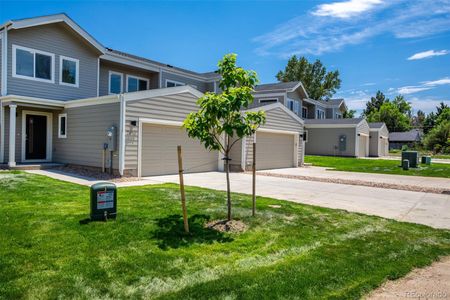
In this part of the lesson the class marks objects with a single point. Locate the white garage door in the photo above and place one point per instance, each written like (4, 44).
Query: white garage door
(274, 150)
(362, 146)
(159, 151)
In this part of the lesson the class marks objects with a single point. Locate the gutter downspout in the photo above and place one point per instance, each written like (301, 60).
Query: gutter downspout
(122, 135)
(4, 69)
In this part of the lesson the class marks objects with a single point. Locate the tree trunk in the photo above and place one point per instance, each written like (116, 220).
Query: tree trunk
(227, 170)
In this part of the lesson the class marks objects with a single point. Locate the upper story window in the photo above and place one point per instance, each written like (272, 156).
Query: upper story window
(290, 104)
(304, 112)
(268, 101)
(115, 82)
(33, 64)
(135, 84)
(69, 69)
(320, 114)
(338, 116)
(173, 83)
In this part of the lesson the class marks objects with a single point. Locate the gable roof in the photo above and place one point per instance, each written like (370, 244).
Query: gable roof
(408, 136)
(275, 106)
(51, 19)
(281, 86)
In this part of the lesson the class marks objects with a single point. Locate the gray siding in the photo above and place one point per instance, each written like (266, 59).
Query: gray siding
(106, 67)
(325, 141)
(1, 41)
(198, 84)
(171, 108)
(57, 39)
(86, 134)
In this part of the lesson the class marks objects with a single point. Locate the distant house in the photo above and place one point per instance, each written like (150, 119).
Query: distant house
(409, 138)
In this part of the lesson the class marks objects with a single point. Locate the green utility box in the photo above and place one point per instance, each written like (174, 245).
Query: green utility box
(103, 201)
(412, 156)
(405, 164)
(426, 160)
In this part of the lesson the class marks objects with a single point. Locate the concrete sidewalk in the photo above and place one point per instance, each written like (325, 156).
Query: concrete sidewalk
(423, 208)
(326, 173)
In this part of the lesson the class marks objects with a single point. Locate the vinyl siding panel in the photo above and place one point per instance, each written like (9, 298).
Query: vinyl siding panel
(171, 108)
(1, 48)
(60, 40)
(86, 134)
(106, 67)
(257, 98)
(325, 141)
(198, 84)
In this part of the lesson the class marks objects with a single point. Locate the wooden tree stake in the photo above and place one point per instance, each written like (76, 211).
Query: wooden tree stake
(254, 180)
(183, 195)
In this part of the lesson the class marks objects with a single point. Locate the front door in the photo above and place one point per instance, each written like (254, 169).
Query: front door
(36, 137)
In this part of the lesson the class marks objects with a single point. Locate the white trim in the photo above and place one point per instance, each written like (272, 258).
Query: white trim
(220, 161)
(62, 136)
(138, 78)
(109, 82)
(363, 134)
(77, 70)
(275, 106)
(34, 52)
(139, 154)
(114, 98)
(256, 94)
(12, 135)
(30, 22)
(277, 131)
(296, 143)
(331, 125)
(122, 138)
(176, 83)
(160, 122)
(320, 111)
(2, 132)
(61, 104)
(268, 99)
(48, 156)
(98, 77)
(244, 152)
(162, 92)
(4, 70)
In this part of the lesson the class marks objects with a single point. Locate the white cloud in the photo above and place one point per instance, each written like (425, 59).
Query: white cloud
(331, 27)
(425, 104)
(442, 81)
(346, 9)
(428, 54)
(406, 90)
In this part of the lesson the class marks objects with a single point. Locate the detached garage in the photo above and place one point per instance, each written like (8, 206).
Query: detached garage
(278, 142)
(337, 137)
(379, 139)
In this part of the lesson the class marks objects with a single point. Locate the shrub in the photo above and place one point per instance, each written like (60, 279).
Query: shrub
(438, 138)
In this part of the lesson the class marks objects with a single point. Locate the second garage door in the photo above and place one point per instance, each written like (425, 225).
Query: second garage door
(274, 150)
(159, 151)
(362, 146)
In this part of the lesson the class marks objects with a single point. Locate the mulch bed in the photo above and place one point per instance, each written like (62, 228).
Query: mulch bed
(234, 226)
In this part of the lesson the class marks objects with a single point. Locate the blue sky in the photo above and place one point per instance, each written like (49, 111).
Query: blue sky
(396, 46)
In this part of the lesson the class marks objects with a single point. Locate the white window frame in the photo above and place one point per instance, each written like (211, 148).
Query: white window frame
(319, 113)
(109, 82)
(138, 78)
(296, 107)
(34, 52)
(268, 100)
(177, 83)
(77, 75)
(306, 112)
(288, 104)
(62, 136)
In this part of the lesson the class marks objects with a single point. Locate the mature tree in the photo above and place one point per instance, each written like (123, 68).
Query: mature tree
(403, 106)
(390, 114)
(419, 119)
(438, 138)
(434, 119)
(219, 123)
(348, 114)
(442, 106)
(375, 103)
(317, 81)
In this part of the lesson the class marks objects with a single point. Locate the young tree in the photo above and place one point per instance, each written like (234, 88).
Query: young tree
(219, 123)
(317, 81)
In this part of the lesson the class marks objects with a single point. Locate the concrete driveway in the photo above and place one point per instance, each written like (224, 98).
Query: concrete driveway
(417, 207)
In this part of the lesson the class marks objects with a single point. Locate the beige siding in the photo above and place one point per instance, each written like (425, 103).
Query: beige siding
(325, 141)
(363, 146)
(86, 134)
(236, 155)
(374, 144)
(171, 108)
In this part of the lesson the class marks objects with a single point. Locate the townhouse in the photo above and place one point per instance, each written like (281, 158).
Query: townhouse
(66, 98)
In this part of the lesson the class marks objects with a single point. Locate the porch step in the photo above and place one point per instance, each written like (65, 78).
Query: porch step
(41, 166)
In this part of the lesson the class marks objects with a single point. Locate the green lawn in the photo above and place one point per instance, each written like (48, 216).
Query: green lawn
(428, 153)
(383, 166)
(296, 251)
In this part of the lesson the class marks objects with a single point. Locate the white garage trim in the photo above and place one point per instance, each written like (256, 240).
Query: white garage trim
(363, 134)
(243, 152)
